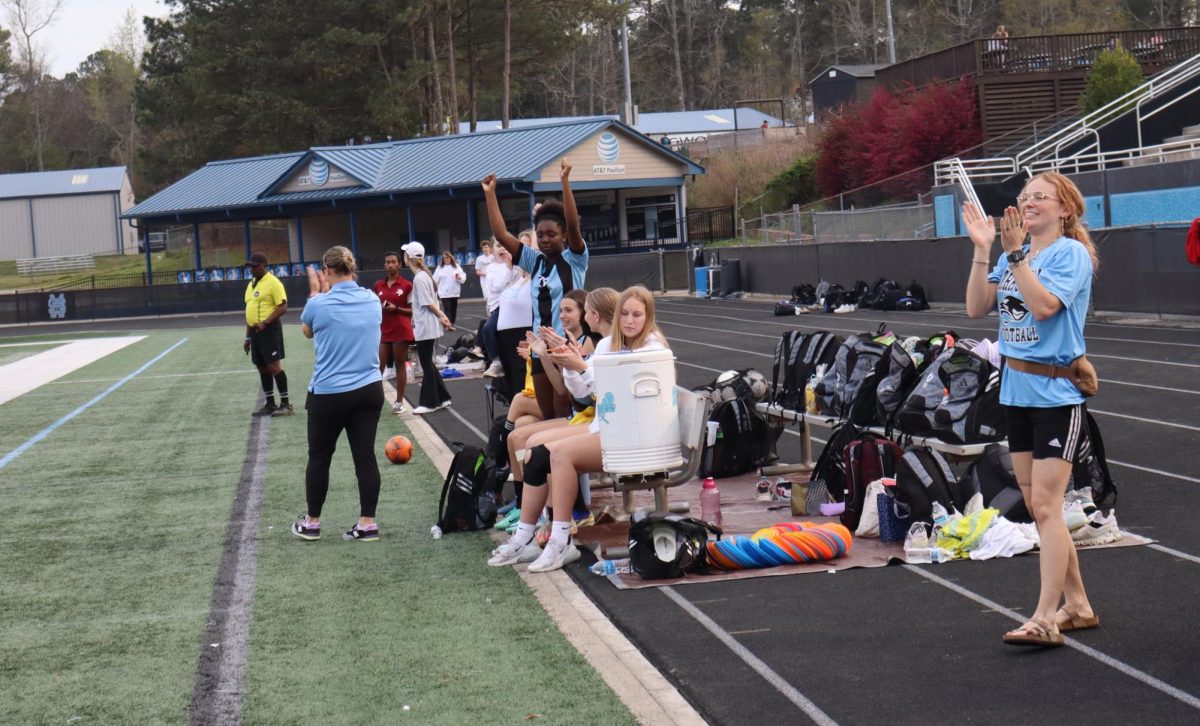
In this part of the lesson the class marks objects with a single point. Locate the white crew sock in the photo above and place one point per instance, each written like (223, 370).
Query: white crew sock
(523, 535)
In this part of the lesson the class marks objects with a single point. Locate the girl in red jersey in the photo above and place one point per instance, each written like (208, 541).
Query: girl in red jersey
(396, 332)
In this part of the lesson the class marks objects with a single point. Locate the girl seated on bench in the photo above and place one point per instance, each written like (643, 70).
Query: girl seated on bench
(599, 308)
(559, 462)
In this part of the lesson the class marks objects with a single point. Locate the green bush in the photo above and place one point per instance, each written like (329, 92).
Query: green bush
(798, 183)
(1114, 73)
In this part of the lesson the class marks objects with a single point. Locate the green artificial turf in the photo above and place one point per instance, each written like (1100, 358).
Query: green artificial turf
(114, 533)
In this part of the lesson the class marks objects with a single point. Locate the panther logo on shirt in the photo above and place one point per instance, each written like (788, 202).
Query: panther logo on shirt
(543, 281)
(1012, 309)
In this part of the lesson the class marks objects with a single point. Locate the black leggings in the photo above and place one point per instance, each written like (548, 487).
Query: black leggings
(433, 391)
(357, 413)
(450, 307)
(514, 365)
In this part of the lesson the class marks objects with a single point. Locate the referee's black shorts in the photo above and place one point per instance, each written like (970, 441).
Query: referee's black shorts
(267, 346)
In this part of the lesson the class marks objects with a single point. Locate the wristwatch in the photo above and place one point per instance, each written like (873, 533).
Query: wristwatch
(1016, 257)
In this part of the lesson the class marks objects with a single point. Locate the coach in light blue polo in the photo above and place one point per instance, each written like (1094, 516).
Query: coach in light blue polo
(345, 322)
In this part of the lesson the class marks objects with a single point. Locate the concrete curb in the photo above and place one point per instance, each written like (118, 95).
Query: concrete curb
(648, 695)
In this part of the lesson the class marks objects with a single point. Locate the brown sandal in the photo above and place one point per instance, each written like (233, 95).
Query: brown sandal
(1068, 621)
(1035, 633)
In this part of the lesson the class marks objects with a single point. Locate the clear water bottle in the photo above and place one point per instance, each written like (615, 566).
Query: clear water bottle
(710, 502)
(940, 516)
(612, 567)
(926, 555)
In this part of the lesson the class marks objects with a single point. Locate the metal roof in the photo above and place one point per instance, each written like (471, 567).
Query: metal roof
(396, 167)
(55, 183)
(666, 122)
(858, 71)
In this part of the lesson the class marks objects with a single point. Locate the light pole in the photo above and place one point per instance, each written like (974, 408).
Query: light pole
(891, 35)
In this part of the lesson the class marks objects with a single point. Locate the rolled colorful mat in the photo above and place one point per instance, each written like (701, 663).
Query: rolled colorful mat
(783, 543)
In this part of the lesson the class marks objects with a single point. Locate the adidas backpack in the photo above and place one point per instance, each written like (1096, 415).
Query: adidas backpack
(868, 458)
(923, 477)
(797, 358)
(956, 399)
(742, 440)
(852, 373)
(831, 464)
(468, 499)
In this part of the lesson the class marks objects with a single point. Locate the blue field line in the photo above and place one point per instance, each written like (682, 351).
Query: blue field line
(12, 455)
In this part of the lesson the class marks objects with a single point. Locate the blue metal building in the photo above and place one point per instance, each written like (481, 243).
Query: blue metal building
(629, 189)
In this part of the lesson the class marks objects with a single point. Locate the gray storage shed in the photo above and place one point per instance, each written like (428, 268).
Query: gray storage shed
(71, 212)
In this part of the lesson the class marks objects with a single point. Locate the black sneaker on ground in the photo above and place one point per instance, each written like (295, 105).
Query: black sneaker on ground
(301, 529)
(362, 535)
(267, 409)
(284, 410)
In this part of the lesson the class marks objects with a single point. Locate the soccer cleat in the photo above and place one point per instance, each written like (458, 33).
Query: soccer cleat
(370, 534)
(513, 516)
(267, 409)
(555, 557)
(1098, 530)
(284, 410)
(762, 490)
(512, 554)
(301, 529)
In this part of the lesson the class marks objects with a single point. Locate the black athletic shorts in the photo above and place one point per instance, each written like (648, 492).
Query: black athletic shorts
(1050, 433)
(267, 346)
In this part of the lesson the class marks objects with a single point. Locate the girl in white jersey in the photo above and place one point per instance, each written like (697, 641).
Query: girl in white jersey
(1041, 288)
(560, 462)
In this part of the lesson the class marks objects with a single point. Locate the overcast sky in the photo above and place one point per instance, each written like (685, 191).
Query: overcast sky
(84, 27)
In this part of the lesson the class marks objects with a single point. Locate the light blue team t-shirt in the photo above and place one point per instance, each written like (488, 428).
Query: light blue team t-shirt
(551, 281)
(346, 325)
(1065, 269)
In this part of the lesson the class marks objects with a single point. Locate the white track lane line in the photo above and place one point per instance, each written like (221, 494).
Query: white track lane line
(1174, 553)
(756, 664)
(1108, 660)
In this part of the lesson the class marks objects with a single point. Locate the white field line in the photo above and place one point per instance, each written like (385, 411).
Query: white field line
(160, 375)
(22, 376)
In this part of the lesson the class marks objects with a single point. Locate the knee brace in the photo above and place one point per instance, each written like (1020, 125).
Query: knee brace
(537, 468)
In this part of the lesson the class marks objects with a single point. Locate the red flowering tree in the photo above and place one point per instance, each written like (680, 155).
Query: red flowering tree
(886, 142)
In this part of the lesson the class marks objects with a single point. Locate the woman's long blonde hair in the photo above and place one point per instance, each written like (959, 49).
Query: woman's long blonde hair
(619, 342)
(1072, 201)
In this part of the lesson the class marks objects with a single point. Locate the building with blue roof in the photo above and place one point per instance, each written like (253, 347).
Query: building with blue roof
(374, 197)
(71, 212)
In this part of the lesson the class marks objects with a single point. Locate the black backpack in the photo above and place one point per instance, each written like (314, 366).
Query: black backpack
(836, 295)
(831, 464)
(1091, 468)
(804, 294)
(868, 458)
(742, 440)
(992, 476)
(899, 372)
(851, 375)
(858, 293)
(956, 399)
(881, 288)
(923, 477)
(468, 500)
(917, 293)
(787, 307)
(688, 550)
(797, 357)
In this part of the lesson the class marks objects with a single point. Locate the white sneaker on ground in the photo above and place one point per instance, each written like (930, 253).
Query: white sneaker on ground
(555, 557)
(1099, 530)
(422, 410)
(398, 407)
(389, 374)
(444, 404)
(847, 308)
(511, 554)
(1074, 516)
(495, 370)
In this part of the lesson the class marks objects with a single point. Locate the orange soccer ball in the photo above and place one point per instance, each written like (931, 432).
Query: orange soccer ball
(398, 449)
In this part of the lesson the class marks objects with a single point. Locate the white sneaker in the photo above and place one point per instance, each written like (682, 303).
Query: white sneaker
(444, 404)
(555, 557)
(398, 407)
(1099, 530)
(422, 410)
(495, 370)
(1074, 516)
(510, 554)
(389, 374)
(847, 308)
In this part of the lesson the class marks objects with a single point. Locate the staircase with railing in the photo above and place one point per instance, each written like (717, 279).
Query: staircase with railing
(1076, 146)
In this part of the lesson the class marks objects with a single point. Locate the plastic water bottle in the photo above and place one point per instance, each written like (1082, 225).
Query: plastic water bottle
(612, 567)
(435, 531)
(926, 555)
(710, 502)
(940, 516)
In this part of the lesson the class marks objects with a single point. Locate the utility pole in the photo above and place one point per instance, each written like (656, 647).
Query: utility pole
(627, 116)
(891, 34)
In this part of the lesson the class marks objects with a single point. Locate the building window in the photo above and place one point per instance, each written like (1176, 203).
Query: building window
(651, 218)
